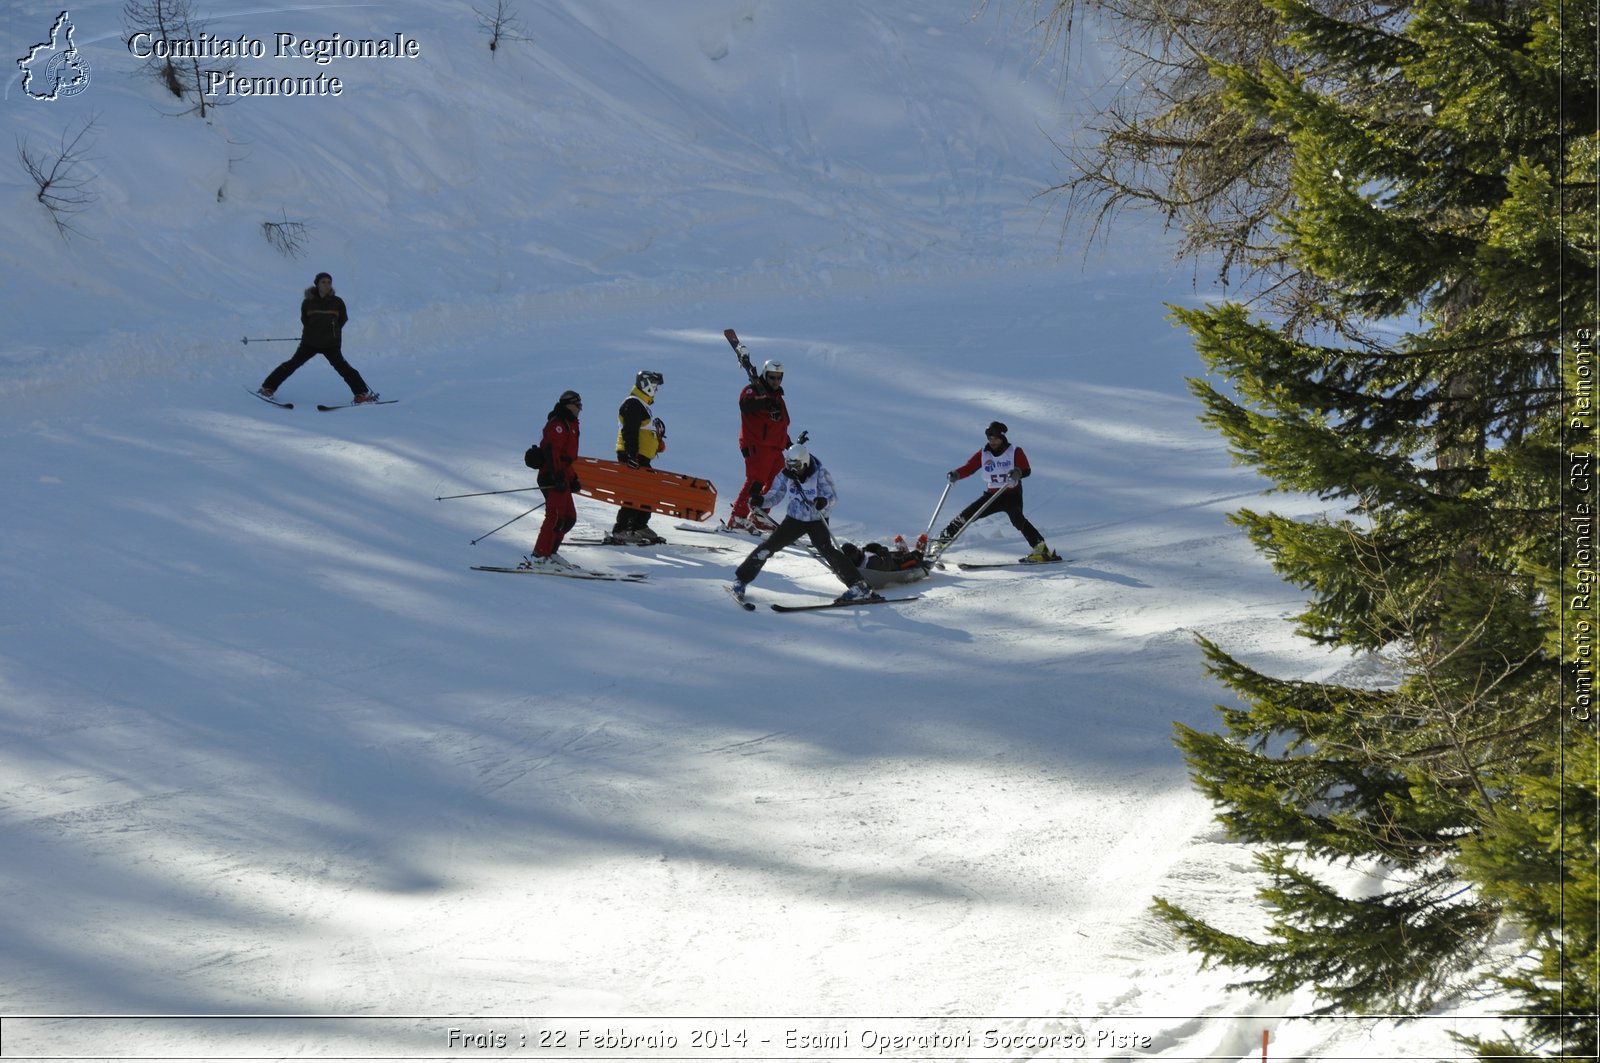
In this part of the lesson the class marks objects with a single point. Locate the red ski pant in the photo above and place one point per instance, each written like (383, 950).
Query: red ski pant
(560, 517)
(761, 467)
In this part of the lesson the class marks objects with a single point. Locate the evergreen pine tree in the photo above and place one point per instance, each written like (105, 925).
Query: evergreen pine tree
(1538, 862)
(1414, 183)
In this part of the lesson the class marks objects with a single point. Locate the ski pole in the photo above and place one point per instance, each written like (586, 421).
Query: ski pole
(480, 494)
(513, 520)
(271, 339)
(934, 519)
(991, 500)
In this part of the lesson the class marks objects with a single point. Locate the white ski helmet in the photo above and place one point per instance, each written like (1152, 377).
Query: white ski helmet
(797, 457)
(770, 366)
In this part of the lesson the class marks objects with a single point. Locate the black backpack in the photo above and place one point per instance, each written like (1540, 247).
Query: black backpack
(533, 457)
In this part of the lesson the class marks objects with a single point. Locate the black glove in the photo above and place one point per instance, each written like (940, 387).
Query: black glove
(572, 485)
(952, 476)
(758, 500)
(820, 504)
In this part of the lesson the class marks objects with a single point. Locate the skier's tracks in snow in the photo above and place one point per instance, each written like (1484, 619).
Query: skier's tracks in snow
(746, 748)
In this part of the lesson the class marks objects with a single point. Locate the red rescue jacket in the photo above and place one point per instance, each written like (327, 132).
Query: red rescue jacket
(763, 418)
(560, 445)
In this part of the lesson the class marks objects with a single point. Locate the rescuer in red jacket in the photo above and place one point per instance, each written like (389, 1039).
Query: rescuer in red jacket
(763, 435)
(558, 481)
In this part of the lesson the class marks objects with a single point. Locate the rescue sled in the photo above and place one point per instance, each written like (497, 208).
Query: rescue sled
(879, 578)
(652, 490)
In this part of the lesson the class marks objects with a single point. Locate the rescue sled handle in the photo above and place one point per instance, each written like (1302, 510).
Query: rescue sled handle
(935, 518)
(939, 551)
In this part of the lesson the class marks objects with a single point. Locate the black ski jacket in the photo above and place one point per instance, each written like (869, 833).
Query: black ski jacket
(322, 320)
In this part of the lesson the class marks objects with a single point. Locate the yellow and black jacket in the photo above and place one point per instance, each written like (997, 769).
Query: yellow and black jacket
(639, 437)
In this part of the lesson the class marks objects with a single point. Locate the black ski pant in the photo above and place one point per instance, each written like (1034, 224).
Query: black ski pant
(629, 519)
(787, 534)
(303, 354)
(1009, 503)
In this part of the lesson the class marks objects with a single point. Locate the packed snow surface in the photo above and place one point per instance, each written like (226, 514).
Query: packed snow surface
(268, 746)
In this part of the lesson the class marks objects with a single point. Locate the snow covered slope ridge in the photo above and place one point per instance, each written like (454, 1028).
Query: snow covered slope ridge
(268, 746)
(657, 146)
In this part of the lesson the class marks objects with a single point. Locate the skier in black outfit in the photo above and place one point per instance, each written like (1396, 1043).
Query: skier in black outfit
(801, 493)
(322, 320)
(1004, 467)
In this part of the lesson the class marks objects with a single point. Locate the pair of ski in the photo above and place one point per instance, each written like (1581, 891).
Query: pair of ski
(280, 404)
(609, 541)
(1021, 562)
(721, 528)
(567, 573)
(778, 607)
(584, 573)
(640, 577)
